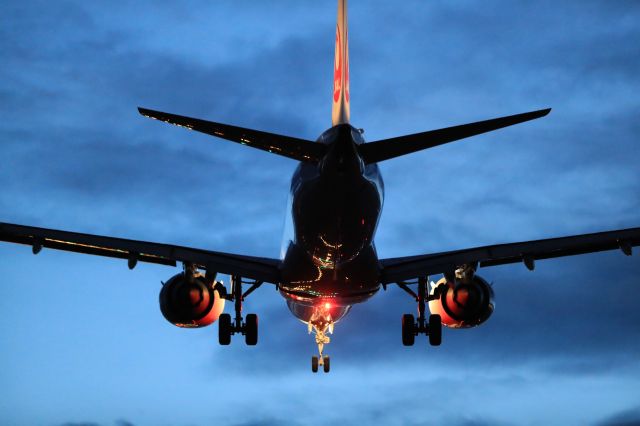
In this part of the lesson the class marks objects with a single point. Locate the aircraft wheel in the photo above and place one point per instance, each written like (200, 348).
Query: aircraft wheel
(325, 364)
(224, 329)
(314, 364)
(435, 330)
(408, 330)
(251, 331)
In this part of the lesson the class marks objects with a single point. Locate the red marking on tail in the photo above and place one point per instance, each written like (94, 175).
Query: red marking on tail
(337, 71)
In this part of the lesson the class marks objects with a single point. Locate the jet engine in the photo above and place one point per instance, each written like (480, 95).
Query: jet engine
(462, 303)
(188, 300)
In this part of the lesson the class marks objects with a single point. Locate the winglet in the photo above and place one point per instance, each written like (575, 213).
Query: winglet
(341, 97)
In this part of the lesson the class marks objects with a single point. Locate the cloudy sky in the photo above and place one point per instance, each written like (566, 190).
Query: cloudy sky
(82, 341)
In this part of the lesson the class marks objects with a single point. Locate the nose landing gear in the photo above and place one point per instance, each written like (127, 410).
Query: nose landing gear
(321, 324)
(323, 361)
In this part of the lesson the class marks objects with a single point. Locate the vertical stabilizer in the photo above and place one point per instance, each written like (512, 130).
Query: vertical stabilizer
(340, 111)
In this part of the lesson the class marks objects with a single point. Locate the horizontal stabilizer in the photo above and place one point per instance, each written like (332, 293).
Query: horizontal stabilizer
(374, 152)
(298, 149)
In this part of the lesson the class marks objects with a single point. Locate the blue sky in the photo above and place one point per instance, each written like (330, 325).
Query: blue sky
(82, 341)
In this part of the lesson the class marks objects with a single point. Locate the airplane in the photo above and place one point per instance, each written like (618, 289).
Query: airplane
(329, 262)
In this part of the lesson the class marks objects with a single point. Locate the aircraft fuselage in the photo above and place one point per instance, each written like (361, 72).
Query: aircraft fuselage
(328, 249)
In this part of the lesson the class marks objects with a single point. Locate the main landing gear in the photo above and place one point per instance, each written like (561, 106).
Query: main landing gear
(431, 327)
(321, 323)
(249, 326)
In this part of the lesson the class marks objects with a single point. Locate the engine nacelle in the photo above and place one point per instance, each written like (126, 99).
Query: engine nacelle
(190, 302)
(463, 304)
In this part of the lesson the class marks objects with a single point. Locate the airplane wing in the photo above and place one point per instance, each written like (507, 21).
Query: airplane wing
(404, 268)
(298, 149)
(257, 268)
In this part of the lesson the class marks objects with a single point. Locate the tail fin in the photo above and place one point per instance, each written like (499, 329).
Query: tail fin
(340, 111)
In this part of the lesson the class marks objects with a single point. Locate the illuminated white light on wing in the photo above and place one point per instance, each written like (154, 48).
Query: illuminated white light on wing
(91, 246)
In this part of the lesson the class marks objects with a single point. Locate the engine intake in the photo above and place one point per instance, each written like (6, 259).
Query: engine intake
(190, 301)
(463, 304)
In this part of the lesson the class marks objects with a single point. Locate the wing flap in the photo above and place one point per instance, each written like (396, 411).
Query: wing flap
(403, 268)
(258, 268)
(385, 149)
(298, 149)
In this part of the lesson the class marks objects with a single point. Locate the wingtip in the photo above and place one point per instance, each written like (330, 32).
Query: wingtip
(146, 112)
(539, 113)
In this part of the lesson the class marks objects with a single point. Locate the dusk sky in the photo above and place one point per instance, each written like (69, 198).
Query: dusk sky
(82, 340)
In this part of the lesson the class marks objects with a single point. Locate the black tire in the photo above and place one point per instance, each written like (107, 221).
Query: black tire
(435, 330)
(251, 330)
(314, 364)
(224, 329)
(326, 363)
(408, 330)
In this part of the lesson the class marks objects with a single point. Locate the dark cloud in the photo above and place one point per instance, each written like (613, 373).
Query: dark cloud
(106, 149)
(629, 417)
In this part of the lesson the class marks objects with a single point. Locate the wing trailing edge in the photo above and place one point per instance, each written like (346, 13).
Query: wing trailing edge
(286, 146)
(386, 149)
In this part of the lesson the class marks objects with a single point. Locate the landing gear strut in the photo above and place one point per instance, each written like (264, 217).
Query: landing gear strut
(431, 327)
(249, 326)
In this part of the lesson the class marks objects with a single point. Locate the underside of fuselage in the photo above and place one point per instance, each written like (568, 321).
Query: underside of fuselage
(329, 253)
